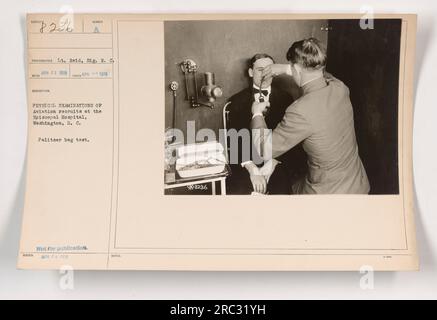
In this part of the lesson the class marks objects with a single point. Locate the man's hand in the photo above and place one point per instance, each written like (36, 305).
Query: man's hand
(259, 107)
(259, 182)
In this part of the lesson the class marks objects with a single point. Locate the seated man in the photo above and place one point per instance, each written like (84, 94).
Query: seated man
(246, 174)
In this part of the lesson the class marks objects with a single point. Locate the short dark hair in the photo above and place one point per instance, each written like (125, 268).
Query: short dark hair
(309, 53)
(258, 56)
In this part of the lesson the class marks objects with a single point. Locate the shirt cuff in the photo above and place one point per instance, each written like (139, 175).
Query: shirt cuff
(288, 71)
(257, 114)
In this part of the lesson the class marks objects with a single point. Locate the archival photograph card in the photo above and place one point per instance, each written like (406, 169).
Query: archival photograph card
(228, 142)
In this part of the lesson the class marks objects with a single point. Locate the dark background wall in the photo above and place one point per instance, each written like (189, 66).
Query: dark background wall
(367, 61)
(223, 47)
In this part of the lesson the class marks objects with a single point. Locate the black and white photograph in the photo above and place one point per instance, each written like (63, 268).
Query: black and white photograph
(282, 107)
(262, 106)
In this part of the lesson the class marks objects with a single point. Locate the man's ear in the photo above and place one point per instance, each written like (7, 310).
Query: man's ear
(250, 72)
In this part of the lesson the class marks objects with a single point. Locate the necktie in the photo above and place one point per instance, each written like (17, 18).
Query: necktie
(262, 98)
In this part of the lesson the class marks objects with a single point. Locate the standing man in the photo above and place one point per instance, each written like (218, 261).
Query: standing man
(322, 118)
(247, 175)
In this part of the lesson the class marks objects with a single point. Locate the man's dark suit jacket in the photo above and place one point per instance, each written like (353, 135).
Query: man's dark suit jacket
(293, 163)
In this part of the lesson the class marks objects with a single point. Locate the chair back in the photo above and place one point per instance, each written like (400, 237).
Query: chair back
(225, 128)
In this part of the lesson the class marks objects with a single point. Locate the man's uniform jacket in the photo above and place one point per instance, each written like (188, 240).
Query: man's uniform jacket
(323, 119)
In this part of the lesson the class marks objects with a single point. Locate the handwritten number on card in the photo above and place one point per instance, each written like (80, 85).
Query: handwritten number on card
(65, 25)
